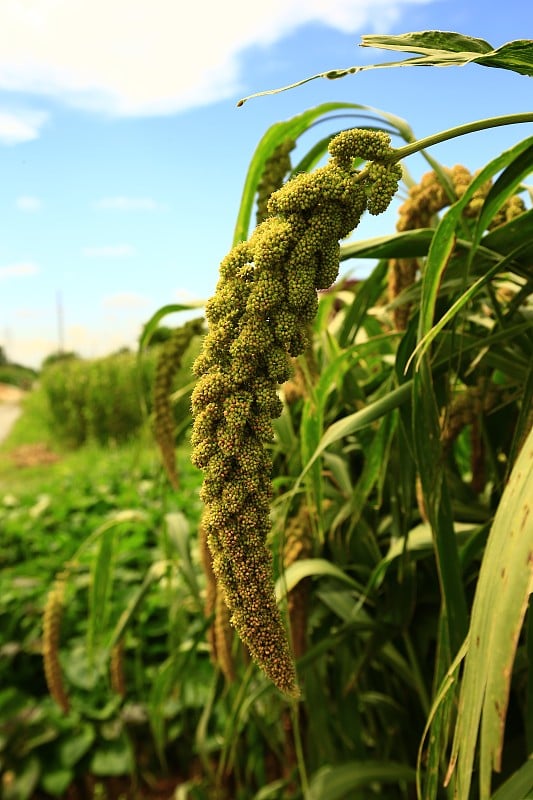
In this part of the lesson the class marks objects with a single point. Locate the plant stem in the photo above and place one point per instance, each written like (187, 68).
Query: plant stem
(300, 758)
(460, 130)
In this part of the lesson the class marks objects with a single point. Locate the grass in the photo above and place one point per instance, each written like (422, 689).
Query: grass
(34, 429)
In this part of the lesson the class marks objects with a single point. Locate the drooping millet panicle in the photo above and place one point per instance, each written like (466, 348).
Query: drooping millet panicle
(276, 169)
(116, 669)
(220, 636)
(258, 318)
(168, 363)
(53, 612)
(298, 545)
(224, 636)
(424, 201)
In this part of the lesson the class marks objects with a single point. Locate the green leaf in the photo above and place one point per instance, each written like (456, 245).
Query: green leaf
(519, 785)
(361, 419)
(56, 780)
(76, 745)
(154, 574)
(179, 534)
(426, 441)
(507, 237)
(407, 244)
(113, 758)
(311, 568)
(443, 48)
(275, 135)
(100, 587)
(365, 298)
(336, 782)
(162, 312)
(466, 297)
(434, 49)
(428, 41)
(444, 238)
(500, 602)
(24, 780)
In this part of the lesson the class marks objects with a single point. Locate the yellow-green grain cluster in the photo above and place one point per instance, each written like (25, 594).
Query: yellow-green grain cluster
(425, 200)
(168, 364)
(53, 612)
(220, 633)
(276, 169)
(258, 319)
(299, 545)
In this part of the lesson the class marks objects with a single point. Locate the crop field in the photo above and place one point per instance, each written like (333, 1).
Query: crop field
(284, 552)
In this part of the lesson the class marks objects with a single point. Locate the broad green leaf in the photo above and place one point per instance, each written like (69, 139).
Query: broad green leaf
(366, 296)
(434, 49)
(443, 241)
(311, 426)
(311, 567)
(519, 785)
(112, 758)
(425, 432)
(100, 587)
(505, 186)
(507, 237)
(24, 780)
(154, 574)
(375, 464)
(71, 749)
(162, 312)
(428, 41)
(179, 532)
(500, 602)
(443, 48)
(466, 297)
(407, 244)
(361, 419)
(529, 688)
(336, 782)
(56, 779)
(419, 543)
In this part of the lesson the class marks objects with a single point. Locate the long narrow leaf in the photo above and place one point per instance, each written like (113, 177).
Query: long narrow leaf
(505, 581)
(336, 782)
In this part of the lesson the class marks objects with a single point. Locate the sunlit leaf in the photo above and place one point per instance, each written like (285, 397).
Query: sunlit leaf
(336, 782)
(500, 602)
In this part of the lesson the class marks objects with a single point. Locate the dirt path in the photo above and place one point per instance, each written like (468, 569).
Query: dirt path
(10, 398)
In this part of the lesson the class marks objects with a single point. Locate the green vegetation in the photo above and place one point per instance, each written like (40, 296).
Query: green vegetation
(398, 484)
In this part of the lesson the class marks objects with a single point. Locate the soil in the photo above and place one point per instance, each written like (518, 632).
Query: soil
(10, 399)
(29, 455)
(33, 455)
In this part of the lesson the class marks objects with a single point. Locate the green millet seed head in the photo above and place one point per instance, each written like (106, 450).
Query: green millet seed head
(275, 170)
(259, 318)
(374, 145)
(168, 363)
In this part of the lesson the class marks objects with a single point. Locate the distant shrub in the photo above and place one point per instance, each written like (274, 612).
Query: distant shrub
(54, 358)
(99, 400)
(17, 375)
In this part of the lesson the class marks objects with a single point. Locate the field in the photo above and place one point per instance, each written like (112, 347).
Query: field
(285, 550)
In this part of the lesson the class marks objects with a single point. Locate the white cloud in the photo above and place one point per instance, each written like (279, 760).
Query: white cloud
(27, 202)
(19, 126)
(137, 57)
(19, 270)
(109, 251)
(125, 300)
(125, 203)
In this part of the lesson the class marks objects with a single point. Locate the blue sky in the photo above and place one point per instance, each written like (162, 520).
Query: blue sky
(122, 151)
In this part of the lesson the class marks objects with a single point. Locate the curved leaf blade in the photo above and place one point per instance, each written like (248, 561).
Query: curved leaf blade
(504, 584)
